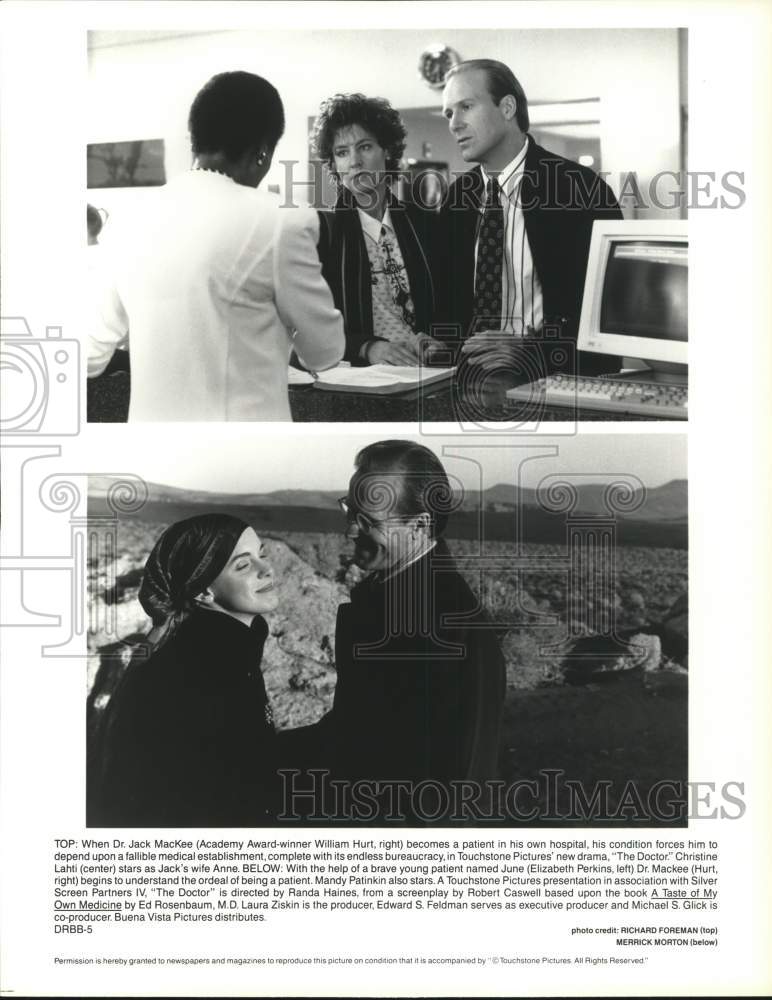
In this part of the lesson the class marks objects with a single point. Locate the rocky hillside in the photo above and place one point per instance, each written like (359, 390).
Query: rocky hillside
(314, 574)
(594, 709)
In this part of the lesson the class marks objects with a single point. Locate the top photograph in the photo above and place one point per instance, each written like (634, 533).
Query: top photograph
(479, 227)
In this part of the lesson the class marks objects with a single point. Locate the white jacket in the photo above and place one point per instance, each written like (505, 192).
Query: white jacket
(209, 289)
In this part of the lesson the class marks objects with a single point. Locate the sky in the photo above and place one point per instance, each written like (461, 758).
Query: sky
(303, 456)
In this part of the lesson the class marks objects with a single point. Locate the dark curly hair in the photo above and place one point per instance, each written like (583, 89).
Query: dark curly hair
(372, 113)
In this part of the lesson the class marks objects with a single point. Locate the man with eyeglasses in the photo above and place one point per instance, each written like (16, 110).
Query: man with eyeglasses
(421, 676)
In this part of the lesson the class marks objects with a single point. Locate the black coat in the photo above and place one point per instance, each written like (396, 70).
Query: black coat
(561, 200)
(188, 738)
(424, 702)
(346, 265)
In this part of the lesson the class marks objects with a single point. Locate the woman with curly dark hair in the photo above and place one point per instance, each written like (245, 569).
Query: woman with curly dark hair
(378, 254)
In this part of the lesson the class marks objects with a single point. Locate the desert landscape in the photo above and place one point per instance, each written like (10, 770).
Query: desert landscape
(598, 705)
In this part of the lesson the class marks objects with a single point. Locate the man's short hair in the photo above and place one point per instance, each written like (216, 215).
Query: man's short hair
(374, 114)
(422, 486)
(501, 81)
(235, 113)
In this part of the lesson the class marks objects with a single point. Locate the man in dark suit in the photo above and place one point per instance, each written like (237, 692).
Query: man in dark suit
(516, 230)
(421, 678)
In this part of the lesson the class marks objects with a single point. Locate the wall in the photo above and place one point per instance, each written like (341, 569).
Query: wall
(144, 89)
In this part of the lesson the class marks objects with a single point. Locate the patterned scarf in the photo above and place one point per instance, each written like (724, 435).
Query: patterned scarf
(185, 560)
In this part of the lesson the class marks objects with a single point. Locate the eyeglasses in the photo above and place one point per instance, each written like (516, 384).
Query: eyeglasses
(366, 523)
(362, 521)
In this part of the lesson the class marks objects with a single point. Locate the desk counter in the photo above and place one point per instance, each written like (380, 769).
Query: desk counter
(108, 402)
(483, 403)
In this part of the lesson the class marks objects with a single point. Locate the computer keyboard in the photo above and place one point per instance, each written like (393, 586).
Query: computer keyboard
(664, 400)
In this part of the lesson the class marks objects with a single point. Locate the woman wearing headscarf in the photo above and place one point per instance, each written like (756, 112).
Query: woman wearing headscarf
(188, 736)
(378, 254)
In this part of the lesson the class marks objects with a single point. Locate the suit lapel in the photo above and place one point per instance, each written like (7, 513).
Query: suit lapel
(354, 270)
(533, 198)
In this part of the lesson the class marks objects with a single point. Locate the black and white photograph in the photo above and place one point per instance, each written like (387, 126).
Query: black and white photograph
(491, 228)
(385, 557)
(393, 634)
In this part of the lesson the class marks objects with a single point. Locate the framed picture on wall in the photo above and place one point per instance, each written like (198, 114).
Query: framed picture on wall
(426, 182)
(139, 163)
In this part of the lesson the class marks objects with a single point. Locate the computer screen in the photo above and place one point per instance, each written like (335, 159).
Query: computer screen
(636, 293)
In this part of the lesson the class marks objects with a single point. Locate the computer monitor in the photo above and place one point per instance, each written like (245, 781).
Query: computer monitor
(636, 295)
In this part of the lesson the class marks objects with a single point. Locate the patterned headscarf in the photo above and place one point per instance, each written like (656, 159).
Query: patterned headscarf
(185, 560)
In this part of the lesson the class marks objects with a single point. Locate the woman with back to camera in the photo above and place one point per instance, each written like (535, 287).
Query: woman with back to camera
(209, 287)
(378, 254)
(188, 737)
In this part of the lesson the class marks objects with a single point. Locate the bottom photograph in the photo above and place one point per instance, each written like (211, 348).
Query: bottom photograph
(413, 631)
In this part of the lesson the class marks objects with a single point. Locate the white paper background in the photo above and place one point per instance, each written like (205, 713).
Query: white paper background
(43, 178)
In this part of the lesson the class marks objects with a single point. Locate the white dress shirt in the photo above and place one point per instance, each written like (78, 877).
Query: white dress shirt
(521, 297)
(209, 289)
